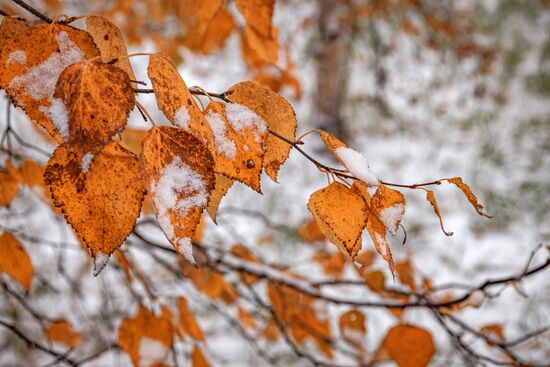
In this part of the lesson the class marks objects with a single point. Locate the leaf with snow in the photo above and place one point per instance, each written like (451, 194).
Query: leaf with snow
(340, 213)
(178, 170)
(98, 98)
(389, 206)
(277, 113)
(14, 260)
(110, 42)
(103, 205)
(48, 49)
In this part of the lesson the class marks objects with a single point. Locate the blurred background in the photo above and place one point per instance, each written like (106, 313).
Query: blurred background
(426, 89)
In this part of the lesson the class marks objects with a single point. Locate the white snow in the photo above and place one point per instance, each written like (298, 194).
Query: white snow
(357, 165)
(181, 118)
(57, 112)
(224, 145)
(243, 118)
(86, 161)
(381, 245)
(179, 189)
(151, 352)
(100, 261)
(391, 217)
(17, 57)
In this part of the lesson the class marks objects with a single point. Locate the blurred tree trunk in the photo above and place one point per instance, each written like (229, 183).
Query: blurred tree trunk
(332, 51)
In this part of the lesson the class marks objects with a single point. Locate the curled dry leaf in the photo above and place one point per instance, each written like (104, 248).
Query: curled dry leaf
(103, 205)
(430, 196)
(258, 14)
(222, 186)
(178, 170)
(110, 42)
(145, 328)
(340, 212)
(62, 331)
(389, 206)
(278, 115)
(32, 63)
(409, 346)
(188, 323)
(15, 261)
(469, 194)
(98, 98)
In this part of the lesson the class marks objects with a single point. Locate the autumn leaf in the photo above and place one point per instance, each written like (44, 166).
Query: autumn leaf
(406, 273)
(430, 196)
(11, 26)
(409, 346)
(332, 264)
(278, 115)
(198, 359)
(377, 233)
(310, 231)
(222, 186)
(32, 175)
(246, 318)
(98, 99)
(259, 50)
(143, 331)
(258, 14)
(188, 323)
(352, 327)
(340, 213)
(14, 261)
(178, 170)
(110, 42)
(31, 64)
(9, 187)
(389, 206)
(469, 195)
(375, 280)
(245, 254)
(103, 205)
(214, 35)
(61, 331)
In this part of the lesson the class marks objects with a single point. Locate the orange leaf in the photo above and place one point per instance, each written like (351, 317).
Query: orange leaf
(409, 346)
(103, 205)
(244, 253)
(110, 42)
(11, 26)
(494, 331)
(145, 331)
(124, 264)
(375, 280)
(8, 187)
(430, 196)
(246, 318)
(310, 232)
(352, 327)
(98, 99)
(406, 273)
(389, 206)
(258, 14)
(469, 194)
(340, 213)
(15, 261)
(198, 359)
(222, 186)
(333, 264)
(276, 112)
(187, 320)
(214, 35)
(61, 331)
(259, 50)
(178, 169)
(132, 139)
(32, 175)
(32, 63)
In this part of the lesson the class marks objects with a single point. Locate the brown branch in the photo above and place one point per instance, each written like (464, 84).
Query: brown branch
(33, 11)
(4, 13)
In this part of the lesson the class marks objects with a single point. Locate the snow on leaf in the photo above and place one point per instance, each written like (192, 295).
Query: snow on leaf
(409, 346)
(389, 206)
(181, 118)
(14, 260)
(100, 262)
(277, 113)
(178, 169)
(340, 213)
(98, 98)
(19, 57)
(110, 42)
(49, 49)
(469, 195)
(103, 205)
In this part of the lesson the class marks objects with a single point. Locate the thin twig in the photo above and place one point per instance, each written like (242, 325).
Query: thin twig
(33, 11)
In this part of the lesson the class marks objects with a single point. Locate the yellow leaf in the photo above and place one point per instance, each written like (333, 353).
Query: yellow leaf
(98, 98)
(178, 169)
(15, 261)
(110, 42)
(278, 115)
(340, 213)
(31, 64)
(103, 205)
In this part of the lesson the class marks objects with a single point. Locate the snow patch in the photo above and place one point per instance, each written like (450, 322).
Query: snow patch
(391, 217)
(151, 352)
(100, 262)
(224, 145)
(57, 112)
(382, 246)
(243, 118)
(86, 161)
(179, 189)
(357, 165)
(182, 118)
(17, 57)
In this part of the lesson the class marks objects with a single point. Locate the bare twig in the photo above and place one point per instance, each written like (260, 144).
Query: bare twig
(33, 11)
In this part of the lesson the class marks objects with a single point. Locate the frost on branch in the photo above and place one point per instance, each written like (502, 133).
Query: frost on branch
(49, 49)
(178, 169)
